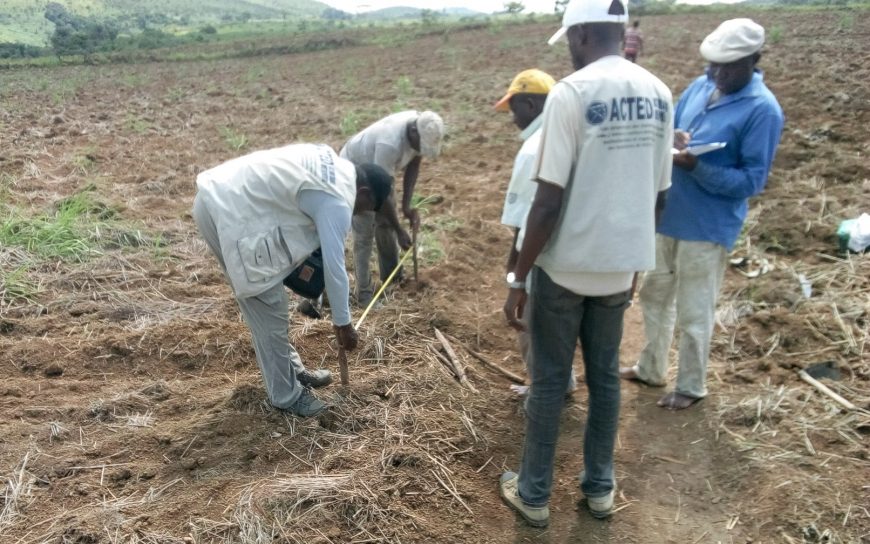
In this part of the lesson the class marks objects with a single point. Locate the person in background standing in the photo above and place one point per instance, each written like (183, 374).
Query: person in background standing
(632, 44)
(525, 99)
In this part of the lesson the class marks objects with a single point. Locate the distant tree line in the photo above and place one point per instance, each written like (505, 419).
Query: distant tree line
(332, 14)
(76, 35)
(21, 51)
(86, 36)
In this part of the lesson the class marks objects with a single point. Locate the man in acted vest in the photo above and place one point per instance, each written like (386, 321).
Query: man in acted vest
(706, 206)
(605, 157)
(262, 215)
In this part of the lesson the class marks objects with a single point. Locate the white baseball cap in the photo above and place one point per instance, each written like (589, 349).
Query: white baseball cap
(591, 11)
(733, 40)
(430, 126)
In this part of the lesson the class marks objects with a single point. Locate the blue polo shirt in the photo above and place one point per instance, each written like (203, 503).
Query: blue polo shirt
(709, 204)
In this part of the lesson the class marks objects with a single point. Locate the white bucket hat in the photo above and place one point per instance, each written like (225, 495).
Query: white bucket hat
(430, 126)
(580, 12)
(733, 40)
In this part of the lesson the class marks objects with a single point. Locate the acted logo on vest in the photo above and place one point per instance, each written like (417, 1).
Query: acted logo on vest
(627, 108)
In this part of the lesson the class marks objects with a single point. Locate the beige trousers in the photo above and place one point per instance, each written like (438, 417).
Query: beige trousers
(681, 293)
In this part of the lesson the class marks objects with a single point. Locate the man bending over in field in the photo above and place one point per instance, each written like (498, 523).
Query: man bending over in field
(262, 215)
(398, 141)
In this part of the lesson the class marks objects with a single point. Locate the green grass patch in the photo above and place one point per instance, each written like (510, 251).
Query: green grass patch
(16, 285)
(350, 124)
(775, 34)
(235, 140)
(847, 20)
(430, 245)
(137, 125)
(67, 234)
(79, 228)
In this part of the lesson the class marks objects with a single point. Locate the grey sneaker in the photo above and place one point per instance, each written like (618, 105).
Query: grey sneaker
(363, 304)
(307, 405)
(536, 516)
(315, 378)
(600, 507)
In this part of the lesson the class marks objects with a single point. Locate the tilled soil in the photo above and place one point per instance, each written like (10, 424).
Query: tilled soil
(132, 408)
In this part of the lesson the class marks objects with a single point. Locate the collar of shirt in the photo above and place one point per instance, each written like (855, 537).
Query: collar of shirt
(532, 128)
(753, 88)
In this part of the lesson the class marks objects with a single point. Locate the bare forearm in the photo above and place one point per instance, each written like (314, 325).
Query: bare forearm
(539, 228)
(388, 211)
(409, 182)
(513, 254)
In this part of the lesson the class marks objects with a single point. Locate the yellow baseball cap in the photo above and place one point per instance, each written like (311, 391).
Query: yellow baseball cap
(532, 81)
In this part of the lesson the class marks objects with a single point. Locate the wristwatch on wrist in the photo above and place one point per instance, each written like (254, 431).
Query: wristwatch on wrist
(513, 283)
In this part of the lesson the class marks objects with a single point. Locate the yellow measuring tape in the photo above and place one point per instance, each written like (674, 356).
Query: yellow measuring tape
(384, 286)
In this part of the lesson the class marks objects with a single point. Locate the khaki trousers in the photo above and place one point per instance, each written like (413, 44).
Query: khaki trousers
(681, 293)
(268, 318)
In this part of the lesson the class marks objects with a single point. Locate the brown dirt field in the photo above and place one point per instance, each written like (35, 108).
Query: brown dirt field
(132, 409)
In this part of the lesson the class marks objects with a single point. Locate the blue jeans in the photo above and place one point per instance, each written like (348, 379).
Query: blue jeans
(558, 318)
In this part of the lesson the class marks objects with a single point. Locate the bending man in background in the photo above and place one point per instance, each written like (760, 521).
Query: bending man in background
(396, 142)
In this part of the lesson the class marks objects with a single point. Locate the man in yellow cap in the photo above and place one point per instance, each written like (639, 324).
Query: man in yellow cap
(525, 99)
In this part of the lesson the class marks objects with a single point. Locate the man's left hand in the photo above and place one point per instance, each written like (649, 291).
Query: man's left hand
(685, 160)
(513, 308)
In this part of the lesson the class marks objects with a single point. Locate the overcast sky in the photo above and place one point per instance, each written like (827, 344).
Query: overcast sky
(486, 6)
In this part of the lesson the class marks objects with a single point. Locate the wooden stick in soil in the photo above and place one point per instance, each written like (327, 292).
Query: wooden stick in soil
(826, 390)
(414, 241)
(342, 367)
(489, 364)
(454, 361)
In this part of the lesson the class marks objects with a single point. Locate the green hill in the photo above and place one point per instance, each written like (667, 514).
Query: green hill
(22, 21)
(415, 13)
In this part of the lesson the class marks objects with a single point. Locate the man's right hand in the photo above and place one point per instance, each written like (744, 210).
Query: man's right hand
(404, 239)
(682, 139)
(347, 337)
(413, 217)
(514, 307)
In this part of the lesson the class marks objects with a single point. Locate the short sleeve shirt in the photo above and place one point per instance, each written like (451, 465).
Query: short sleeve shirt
(384, 143)
(606, 140)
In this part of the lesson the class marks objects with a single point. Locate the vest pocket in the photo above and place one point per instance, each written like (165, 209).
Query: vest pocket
(263, 255)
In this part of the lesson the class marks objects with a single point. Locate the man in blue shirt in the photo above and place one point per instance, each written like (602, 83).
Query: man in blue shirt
(706, 205)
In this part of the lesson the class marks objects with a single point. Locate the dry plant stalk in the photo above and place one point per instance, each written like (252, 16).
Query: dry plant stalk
(15, 494)
(489, 364)
(826, 390)
(455, 365)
